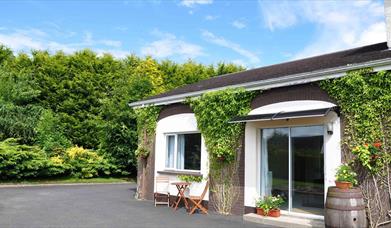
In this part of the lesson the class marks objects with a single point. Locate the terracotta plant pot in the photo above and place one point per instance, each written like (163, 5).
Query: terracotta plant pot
(343, 184)
(260, 211)
(272, 213)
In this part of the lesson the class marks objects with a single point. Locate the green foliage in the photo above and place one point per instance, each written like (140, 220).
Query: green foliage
(346, 173)
(50, 134)
(370, 156)
(22, 161)
(190, 178)
(18, 88)
(269, 203)
(26, 162)
(365, 101)
(146, 126)
(5, 54)
(87, 164)
(19, 122)
(213, 111)
(86, 98)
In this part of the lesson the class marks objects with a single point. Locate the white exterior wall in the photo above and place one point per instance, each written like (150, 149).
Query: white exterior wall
(177, 124)
(332, 148)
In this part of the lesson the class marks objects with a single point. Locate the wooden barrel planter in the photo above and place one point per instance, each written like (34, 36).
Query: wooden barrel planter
(345, 208)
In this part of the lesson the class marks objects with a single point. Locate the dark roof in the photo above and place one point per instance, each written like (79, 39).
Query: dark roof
(332, 60)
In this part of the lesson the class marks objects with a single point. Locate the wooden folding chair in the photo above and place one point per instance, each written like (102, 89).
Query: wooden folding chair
(197, 201)
(159, 193)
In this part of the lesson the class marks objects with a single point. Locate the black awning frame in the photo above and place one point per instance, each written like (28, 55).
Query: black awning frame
(285, 115)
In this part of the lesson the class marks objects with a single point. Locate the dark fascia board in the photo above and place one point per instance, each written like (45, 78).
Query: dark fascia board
(288, 80)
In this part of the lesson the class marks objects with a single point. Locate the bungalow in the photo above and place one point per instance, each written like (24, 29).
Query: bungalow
(292, 134)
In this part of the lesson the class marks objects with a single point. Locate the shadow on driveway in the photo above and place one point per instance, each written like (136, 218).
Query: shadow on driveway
(108, 205)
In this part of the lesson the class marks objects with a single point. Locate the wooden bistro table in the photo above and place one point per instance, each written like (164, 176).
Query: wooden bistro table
(181, 186)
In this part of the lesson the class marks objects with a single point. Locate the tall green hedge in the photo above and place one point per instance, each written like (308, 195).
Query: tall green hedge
(54, 101)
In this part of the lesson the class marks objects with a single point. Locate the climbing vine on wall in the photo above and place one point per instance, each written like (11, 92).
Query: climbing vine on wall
(146, 126)
(213, 112)
(365, 101)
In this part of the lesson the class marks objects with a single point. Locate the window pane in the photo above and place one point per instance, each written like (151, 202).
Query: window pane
(170, 151)
(307, 172)
(190, 149)
(275, 163)
(180, 163)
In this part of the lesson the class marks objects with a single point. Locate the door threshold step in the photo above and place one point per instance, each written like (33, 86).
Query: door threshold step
(284, 221)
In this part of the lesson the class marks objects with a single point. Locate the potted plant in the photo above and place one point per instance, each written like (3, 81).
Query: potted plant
(190, 178)
(269, 206)
(345, 177)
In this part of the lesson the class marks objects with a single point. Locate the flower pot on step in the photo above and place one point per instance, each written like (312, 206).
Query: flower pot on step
(272, 213)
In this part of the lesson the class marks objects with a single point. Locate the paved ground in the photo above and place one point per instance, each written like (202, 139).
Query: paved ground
(110, 205)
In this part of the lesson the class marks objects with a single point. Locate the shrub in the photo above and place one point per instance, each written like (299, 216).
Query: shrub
(87, 163)
(19, 122)
(50, 134)
(23, 161)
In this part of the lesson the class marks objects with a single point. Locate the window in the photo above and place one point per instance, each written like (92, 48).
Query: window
(183, 151)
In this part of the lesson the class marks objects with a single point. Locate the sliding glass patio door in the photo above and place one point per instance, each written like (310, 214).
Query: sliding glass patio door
(292, 166)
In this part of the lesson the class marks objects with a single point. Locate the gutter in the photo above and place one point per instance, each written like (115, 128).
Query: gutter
(289, 80)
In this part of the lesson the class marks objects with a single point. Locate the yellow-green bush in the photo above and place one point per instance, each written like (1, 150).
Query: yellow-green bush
(86, 163)
(23, 162)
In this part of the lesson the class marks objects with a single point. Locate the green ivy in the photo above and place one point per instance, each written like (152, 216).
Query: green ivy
(365, 100)
(213, 112)
(146, 127)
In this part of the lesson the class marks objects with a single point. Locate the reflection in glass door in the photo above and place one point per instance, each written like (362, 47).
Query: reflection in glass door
(275, 163)
(292, 166)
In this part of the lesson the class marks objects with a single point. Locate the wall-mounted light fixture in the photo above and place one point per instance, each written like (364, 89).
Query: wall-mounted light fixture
(330, 128)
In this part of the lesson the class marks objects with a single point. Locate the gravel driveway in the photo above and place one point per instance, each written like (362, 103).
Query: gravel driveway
(104, 205)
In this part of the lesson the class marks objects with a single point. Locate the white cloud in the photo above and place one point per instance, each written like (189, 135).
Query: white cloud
(24, 40)
(221, 41)
(191, 3)
(338, 24)
(19, 41)
(210, 17)
(31, 32)
(169, 45)
(239, 24)
(240, 62)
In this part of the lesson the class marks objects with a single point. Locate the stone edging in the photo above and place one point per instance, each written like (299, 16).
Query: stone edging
(59, 184)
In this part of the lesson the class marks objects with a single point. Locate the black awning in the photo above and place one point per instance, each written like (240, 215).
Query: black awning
(284, 115)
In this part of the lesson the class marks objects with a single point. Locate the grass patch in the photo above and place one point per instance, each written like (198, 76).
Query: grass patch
(70, 180)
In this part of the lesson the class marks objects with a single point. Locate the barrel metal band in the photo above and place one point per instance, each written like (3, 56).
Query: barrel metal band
(346, 208)
(350, 196)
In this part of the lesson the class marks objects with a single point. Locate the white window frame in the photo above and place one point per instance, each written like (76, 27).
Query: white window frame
(176, 151)
(289, 211)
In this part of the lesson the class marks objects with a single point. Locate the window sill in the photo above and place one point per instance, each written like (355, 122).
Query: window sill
(180, 172)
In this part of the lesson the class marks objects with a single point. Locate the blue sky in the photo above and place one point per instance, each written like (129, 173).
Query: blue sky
(250, 33)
